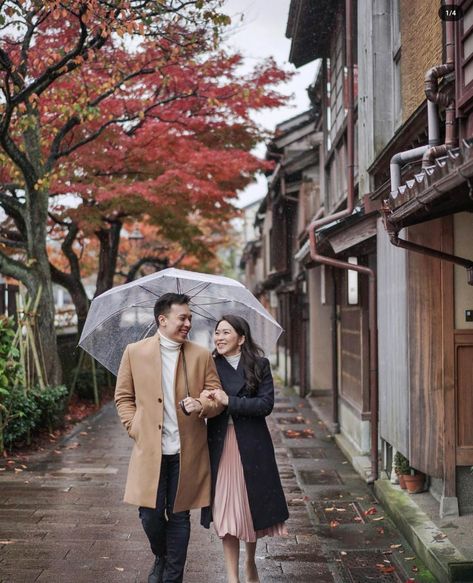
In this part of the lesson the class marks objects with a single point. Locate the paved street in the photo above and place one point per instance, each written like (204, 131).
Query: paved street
(62, 520)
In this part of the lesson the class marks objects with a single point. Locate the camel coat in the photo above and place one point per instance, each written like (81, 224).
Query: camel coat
(139, 401)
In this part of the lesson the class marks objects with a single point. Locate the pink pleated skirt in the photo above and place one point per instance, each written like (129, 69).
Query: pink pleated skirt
(231, 508)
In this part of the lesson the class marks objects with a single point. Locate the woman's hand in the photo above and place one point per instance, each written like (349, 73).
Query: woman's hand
(220, 396)
(191, 405)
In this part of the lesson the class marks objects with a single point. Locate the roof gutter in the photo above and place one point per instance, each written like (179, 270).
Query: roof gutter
(317, 223)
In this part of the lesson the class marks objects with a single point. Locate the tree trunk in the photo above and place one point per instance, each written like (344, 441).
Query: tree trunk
(74, 286)
(40, 278)
(109, 241)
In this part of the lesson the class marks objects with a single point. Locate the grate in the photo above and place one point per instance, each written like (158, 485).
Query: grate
(316, 453)
(278, 409)
(320, 477)
(291, 420)
(363, 566)
(343, 512)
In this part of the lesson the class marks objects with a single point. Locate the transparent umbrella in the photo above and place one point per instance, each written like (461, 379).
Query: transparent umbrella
(124, 314)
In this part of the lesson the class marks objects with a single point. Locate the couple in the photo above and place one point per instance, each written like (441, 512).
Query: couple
(166, 388)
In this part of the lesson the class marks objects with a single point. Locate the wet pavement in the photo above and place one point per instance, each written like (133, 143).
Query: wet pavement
(62, 519)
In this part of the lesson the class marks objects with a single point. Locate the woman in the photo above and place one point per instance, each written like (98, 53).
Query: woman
(247, 497)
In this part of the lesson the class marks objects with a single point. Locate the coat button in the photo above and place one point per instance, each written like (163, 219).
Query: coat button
(160, 400)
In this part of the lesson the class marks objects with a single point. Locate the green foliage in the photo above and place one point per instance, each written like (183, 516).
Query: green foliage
(401, 464)
(33, 410)
(84, 387)
(51, 403)
(22, 416)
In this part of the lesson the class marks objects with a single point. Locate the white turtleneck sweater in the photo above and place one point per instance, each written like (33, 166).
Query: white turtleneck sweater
(170, 441)
(233, 361)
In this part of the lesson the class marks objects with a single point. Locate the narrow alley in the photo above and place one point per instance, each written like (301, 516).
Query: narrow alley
(62, 519)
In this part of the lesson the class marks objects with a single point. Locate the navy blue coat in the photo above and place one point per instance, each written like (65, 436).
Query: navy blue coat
(265, 494)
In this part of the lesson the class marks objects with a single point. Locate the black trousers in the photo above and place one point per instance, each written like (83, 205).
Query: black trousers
(168, 532)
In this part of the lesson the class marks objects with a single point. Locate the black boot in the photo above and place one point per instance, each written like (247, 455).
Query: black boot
(156, 573)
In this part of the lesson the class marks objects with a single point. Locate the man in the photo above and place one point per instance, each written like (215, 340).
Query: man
(169, 471)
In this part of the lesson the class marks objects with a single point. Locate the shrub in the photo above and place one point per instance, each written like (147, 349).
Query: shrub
(84, 387)
(401, 464)
(51, 403)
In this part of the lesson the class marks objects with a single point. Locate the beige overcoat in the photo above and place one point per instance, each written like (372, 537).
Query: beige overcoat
(139, 401)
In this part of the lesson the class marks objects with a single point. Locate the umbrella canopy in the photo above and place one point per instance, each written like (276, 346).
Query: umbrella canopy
(125, 314)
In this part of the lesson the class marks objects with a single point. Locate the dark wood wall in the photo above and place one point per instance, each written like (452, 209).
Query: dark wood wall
(430, 329)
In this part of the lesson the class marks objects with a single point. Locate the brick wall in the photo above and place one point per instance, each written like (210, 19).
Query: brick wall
(421, 48)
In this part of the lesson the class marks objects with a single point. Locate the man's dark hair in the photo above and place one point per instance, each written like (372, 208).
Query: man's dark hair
(162, 307)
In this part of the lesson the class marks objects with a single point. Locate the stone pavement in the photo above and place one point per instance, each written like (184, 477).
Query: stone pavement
(62, 519)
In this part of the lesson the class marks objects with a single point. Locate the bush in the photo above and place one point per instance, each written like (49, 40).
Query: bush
(33, 410)
(21, 417)
(84, 388)
(51, 403)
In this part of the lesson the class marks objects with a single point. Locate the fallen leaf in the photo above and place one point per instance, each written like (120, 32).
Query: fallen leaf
(387, 569)
(119, 568)
(370, 511)
(334, 523)
(378, 518)
(410, 558)
(415, 569)
(395, 546)
(380, 530)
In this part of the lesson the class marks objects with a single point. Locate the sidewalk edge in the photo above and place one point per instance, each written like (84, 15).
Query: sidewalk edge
(445, 561)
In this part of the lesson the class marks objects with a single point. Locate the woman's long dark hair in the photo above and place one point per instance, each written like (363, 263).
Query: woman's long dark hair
(250, 351)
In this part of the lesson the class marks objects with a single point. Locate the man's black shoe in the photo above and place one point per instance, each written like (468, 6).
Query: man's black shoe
(156, 573)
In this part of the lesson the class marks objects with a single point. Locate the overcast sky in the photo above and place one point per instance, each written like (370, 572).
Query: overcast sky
(262, 34)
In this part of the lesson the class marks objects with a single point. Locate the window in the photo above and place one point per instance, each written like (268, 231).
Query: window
(352, 292)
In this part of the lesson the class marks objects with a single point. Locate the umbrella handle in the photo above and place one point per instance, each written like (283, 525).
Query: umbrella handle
(184, 363)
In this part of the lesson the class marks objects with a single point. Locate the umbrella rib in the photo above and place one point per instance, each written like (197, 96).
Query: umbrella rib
(216, 302)
(205, 313)
(147, 329)
(207, 316)
(205, 286)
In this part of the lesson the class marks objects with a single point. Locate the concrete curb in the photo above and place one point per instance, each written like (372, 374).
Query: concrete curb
(445, 561)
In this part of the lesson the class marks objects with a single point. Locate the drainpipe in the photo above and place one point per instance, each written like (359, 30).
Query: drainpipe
(373, 348)
(393, 234)
(434, 95)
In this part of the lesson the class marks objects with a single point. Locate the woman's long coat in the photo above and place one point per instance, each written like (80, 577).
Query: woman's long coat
(265, 494)
(140, 404)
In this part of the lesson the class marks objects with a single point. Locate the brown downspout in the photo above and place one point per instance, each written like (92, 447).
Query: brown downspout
(433, 94)
(373, 348)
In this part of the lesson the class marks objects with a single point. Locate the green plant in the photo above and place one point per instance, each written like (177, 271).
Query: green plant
(84, 387)
(401, 464)
(51, 403)
(15, 408)
(21, 417)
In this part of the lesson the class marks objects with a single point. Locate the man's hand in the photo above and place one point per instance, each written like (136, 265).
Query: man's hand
(191, 405)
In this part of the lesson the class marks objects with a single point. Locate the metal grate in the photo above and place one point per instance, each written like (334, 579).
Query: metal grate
(291, 420)
(316, 453)
(278, 409)
(363, 566)
(320, 477)
(343, 512)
